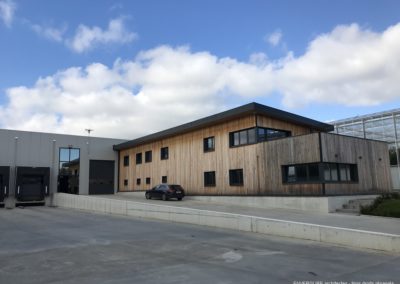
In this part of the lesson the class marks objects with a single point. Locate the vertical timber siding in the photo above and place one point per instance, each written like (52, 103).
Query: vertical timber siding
(187, 162)
(293, 150)
(372, 161)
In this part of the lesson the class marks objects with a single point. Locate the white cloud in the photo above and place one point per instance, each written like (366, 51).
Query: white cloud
(349, 66)
(51, 33)
(275, 38)
(166, 86)
(7, 10)
(87, 38)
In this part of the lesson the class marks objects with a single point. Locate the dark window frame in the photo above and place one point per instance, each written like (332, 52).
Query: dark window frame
(138, 181)
(164, 153)
(126, 161)
(125, 182)
(139, 158)
(353, 169)
(148, 156)
(254, 138)
(164, 179)
(209, 181)
(206, 147)
(148, 180)
(236, 173)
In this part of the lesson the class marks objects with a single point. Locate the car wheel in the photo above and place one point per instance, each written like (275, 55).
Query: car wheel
(164, 197)
(148, 196)
(179, 198)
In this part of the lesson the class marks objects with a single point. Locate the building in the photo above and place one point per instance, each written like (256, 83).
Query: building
(255, 150)
(382, 126)
(34, 165)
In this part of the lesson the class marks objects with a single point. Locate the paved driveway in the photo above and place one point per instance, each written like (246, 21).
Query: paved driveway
(52, 245)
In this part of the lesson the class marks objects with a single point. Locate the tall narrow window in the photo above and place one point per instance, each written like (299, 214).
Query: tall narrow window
(125, 182)
(164, 153)
(126, 161)
(164, 179)
(148, 180)
(148, 156)
(236, 177)
(138, 181)
(138, 158)
(209, 144)
(209, 178)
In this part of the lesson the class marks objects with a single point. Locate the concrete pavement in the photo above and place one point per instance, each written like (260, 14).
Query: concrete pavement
(54, 245)
(176, 212)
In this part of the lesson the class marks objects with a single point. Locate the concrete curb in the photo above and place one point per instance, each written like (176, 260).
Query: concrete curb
(326, 234)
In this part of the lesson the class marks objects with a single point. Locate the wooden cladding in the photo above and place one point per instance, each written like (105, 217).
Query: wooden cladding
(186, 160)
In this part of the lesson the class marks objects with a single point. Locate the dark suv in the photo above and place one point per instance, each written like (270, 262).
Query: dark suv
(166, 191)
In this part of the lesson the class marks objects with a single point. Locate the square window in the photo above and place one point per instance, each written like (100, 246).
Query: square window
(126, 161)
(236, 177)
(148, 180)
(138, 158)
(138, 181)
(164, 153)
(164, 179)
(209, 178)
(209, 144)
(148, 156)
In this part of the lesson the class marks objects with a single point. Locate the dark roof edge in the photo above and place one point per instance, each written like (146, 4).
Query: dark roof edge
(251, 108)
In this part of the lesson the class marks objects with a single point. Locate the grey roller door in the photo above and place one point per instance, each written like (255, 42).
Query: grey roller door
(101, 177)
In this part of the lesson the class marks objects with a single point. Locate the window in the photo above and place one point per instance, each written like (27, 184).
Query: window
(266, 134)
(68, 171)
(236, 177)
(320, 172)
(301, 173)
(255, 135)
(148, 156)
(209, 144)
(164, 179)
(209, 178)
(331, 172)
(138, 158)
(148, 180)
(125, 182)
(138, 181)
(164, 153)
(126, 161)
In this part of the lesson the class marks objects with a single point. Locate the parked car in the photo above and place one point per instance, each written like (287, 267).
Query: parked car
(166, 191)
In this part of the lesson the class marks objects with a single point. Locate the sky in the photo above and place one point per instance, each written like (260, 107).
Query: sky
(131, 68)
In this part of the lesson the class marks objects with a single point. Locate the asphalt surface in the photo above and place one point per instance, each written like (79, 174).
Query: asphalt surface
(350, 221)
(53, 245)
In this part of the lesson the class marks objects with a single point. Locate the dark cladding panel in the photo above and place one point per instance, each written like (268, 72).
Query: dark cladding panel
(4, 182)
(32, 183)
(101, 177)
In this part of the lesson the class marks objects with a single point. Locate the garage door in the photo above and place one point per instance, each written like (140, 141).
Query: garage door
(101, 177)
(32, 183)
(4, 182)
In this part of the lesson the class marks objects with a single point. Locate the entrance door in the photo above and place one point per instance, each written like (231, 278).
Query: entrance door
(101, 177)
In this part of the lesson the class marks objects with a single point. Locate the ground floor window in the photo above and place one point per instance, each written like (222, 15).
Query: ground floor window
(209, 178)
(320, 172)
(138, 181)
(148, 180)
(164, 179)
(236, 177)
(125, 182)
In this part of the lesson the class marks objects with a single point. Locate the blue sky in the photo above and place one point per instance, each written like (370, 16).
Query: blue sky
(111, 65)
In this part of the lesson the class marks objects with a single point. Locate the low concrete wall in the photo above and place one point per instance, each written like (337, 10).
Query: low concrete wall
(341, 236)
(326, 204)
